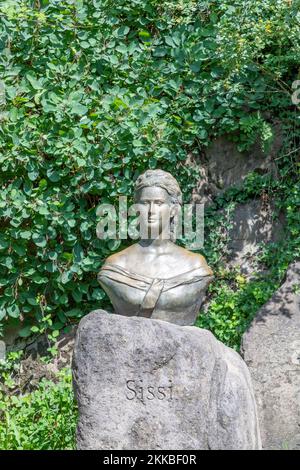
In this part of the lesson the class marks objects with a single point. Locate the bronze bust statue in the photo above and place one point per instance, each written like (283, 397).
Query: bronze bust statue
(155, 277)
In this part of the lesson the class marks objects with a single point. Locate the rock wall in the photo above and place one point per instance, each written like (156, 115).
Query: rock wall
(224, 166)
(253, 224)
(271, 348)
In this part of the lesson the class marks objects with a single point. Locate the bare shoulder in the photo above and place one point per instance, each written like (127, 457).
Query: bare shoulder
(121, 258)
(194, 260)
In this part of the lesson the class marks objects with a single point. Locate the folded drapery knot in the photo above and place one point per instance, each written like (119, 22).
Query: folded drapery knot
(151, 298)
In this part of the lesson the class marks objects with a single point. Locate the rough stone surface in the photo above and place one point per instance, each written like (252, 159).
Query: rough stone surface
(2, 350)
(32, 368)
(253, 224)
(150, 384)
(223, 166)
(11, 335)
(36, 347)
(271, 348)
(64, 344)
(228, 167)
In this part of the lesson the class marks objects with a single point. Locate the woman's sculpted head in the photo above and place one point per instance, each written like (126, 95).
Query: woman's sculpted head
(159, 197)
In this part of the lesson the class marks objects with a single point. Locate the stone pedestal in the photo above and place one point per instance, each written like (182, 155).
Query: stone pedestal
(149, 384)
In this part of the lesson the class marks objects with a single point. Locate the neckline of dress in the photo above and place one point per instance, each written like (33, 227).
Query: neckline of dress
(153, 278)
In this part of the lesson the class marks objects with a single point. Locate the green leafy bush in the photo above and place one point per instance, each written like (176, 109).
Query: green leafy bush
(40, 420)
(233, 307)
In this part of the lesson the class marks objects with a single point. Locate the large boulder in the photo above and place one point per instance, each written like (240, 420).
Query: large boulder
(271, 348)
(149, 384)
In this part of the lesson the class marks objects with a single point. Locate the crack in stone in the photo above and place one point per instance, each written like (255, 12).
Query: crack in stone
(163, 363)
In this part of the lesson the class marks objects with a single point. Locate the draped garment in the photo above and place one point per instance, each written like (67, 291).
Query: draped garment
(153, 287)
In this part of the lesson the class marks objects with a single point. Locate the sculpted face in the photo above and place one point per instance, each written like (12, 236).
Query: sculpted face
(155, 212)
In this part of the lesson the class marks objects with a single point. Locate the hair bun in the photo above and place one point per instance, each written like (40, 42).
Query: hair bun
(161, 179)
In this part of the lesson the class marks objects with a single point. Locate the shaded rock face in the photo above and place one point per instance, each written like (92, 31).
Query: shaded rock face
(11, 335)
(2, 350)
(253, 224)
(29, 376)
(37, 345)
(32, 368)
(223, 166)
(64, 344)
(149, 384)
(271, 348)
